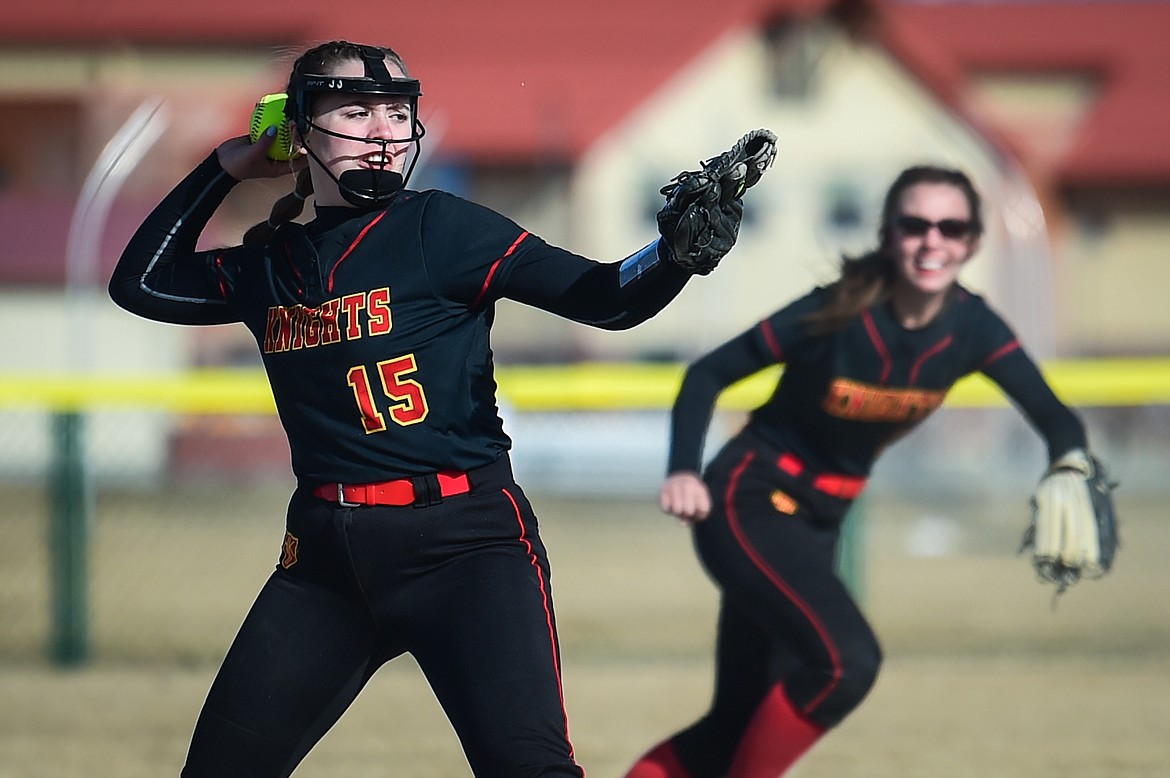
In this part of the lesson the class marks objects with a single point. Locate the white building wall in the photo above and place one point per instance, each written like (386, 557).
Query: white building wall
(863, 122)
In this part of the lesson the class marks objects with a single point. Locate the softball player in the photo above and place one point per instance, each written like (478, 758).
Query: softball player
(866, 359)
(406, 532)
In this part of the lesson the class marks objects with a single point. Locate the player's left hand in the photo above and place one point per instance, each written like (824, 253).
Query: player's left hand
(700, 220)
(1073, 533)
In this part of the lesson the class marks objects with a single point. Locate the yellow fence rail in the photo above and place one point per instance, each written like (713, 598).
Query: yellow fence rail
(582, 387)
(586, 386)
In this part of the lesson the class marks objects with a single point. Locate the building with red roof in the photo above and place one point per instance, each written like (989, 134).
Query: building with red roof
(522, 96)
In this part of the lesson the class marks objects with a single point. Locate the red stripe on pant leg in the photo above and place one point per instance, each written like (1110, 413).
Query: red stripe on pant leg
(776, 737)
(552, 632)
(659, 762)
(779, 583)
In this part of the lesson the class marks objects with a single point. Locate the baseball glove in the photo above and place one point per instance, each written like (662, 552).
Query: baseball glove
(700, 221)
(1073, 533)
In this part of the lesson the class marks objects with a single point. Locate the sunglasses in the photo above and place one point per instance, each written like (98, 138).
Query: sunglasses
(916, 226)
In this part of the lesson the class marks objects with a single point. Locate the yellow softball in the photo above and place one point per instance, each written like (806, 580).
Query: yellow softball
(269, 112)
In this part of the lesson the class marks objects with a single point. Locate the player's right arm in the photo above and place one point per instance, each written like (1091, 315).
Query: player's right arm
(770, 342)
(702, 383)
(161, 275)
(684, 494)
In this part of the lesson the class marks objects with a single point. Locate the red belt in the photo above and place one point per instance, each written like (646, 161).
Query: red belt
(420, 490)
(846, 487)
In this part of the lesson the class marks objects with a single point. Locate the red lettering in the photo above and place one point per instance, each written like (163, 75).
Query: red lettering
(379, 311)
(351, 304)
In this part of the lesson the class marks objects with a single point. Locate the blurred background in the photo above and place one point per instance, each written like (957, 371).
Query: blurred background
(142, 464)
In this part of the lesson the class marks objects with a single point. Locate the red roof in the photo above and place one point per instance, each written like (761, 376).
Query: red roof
(1124, 140)
(524, 79)
(505, 78)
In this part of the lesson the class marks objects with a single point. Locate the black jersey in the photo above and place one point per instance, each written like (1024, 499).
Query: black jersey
(374, 325)
(844, 396)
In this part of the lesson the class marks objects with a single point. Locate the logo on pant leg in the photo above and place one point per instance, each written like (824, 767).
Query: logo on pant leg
(783, 503)
(288, 551)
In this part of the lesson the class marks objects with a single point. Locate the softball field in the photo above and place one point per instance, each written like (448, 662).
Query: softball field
(984, 676)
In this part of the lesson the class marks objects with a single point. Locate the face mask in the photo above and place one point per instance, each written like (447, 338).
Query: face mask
(360, 188)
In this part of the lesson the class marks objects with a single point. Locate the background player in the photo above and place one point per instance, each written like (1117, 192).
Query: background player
(406, 531)
(866, 359)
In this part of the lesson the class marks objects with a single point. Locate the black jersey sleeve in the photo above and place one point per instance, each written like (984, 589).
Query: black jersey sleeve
(607, 295)
(1021, 380)
(770, 342)
(479, 256)
(160, 275)
(1003, 359)
(786, 330)
(703, 381)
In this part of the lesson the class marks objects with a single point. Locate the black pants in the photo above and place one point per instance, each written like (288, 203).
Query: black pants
(785, 617)
(462, 585)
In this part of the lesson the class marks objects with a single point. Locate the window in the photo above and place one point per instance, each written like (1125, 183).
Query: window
(796, 50)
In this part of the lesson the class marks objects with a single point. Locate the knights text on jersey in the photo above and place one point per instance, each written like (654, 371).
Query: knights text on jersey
(374, 326)
(375, 334)
(845, 396)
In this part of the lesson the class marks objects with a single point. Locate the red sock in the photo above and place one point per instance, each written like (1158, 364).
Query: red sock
(776, 737)
(660, 762)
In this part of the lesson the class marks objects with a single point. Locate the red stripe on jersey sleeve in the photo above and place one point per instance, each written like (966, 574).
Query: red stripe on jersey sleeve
(487, 282)
(219, 275)
(770, 339)
(1006, 348)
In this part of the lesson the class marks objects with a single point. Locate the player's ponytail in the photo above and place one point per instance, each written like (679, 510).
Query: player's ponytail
(864, 282)
(284, 210)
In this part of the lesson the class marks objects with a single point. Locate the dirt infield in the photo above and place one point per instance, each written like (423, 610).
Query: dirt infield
(927, 718)
(983, 677)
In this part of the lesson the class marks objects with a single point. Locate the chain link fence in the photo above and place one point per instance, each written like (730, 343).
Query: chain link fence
(137, 535)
